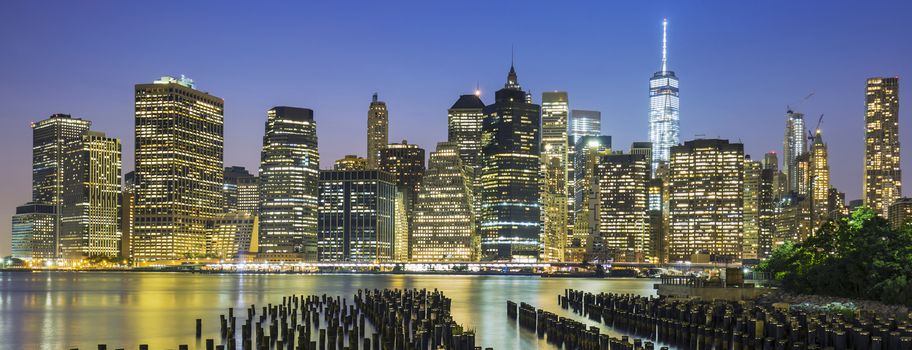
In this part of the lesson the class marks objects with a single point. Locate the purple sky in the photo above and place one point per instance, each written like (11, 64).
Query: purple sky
(740, 64)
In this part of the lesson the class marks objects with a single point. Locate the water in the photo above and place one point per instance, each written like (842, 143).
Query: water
(64, 310)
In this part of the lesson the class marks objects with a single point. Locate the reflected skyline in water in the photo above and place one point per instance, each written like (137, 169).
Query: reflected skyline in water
(56, 310)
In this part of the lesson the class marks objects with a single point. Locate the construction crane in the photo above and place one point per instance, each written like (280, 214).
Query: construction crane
(812, 135)
(789, 107)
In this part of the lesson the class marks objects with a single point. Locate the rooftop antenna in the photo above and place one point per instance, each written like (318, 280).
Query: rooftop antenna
(664, 45)
(511, 55)
(477, 89)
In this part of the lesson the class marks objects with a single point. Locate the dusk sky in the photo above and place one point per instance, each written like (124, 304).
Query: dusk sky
(739, 63)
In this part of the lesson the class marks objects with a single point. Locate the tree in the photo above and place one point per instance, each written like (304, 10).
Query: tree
(860, 256)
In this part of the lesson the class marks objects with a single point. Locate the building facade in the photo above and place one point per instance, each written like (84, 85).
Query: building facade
(706, 189)
(377, 131)
(554, 153)
(444, 224)
(91, 217)
(232, 236)
(350, 162)
(510, 176)
(33, 232)
(406, 163)
(288, 185)
(622, 186)
(820, 181)
(179, 168)
(231, 188)
(585, 232)
(793, 147)
(882, 174)
(664, 112)
(901, 212)
(357, 216)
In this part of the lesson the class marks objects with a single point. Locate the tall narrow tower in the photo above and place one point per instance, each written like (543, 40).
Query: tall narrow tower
(882, 175)
(793, 146)
(663, 108)
(377, 131)
(554, 129)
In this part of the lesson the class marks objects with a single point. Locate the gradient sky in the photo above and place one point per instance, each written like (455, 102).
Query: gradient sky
(740, 64)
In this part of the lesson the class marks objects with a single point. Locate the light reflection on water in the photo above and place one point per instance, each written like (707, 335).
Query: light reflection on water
(62, 310)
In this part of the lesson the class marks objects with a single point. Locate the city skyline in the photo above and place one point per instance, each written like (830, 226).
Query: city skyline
(423, 121)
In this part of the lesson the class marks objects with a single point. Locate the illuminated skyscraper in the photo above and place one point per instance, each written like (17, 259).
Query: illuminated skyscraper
(900, 212)
(820, 181)
(752, 175)
(377, 131)
(288, 185)
(587, 152)
(230, 189)
(510, 176)
(554, 139)
(464, 120)
(33, 235)
(663, 108)
(127, 214)
(882, 175)
(622, 180)
(179, 168)
(357, 216)
(793, 146)
(444, 221)
(248, 194)
(50, 138)
(350, 162)
(90, 217)
(584, 123)
(644, 148)
(706, 204)
(766, 208)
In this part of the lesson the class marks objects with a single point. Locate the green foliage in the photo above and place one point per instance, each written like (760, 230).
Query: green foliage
(856, 257)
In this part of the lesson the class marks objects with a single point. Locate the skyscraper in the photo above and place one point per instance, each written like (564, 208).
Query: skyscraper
(622, 180)
(752, 178)
(377, 131)
(179, 168)
(406, 163)
(248, 192)
(663, 108)
(127, 214)
(820, 181)
(357, 216)
(510, 180)
(90, 216)
(444, 219)
(50, 138)
(584, 123)
(882, 174)
(33, 235)
(706, 199)
(464, 120)
(288, 185)
(587, 152)
(793, 146)
(766, 208)
(644, 148)
(554, 140)
(900, 212)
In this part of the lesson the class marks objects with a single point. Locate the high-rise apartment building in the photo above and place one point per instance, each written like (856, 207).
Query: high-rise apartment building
(510, 176)
(622, 180)
(90, 217)
(706, 189)
(820, 181)
(288, 184)
(793, 146)
(554, 152)
(50, 139)
(357, 216)
(33, 234)
(350, 162)
(444, 222)
(377, 131)
(179, 168)
(900, 212)
(663, 108)
(882, 174)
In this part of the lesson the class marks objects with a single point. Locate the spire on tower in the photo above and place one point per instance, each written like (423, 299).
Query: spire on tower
(375, 97)
(664, 45)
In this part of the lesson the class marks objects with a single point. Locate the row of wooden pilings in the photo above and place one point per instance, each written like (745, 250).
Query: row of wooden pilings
(743, 325)
(569, 334)
(389, 319)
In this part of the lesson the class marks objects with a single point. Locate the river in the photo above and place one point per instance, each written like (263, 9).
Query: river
(65, 310)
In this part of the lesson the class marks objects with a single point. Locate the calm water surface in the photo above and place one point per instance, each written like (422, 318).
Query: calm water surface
(63, 310)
